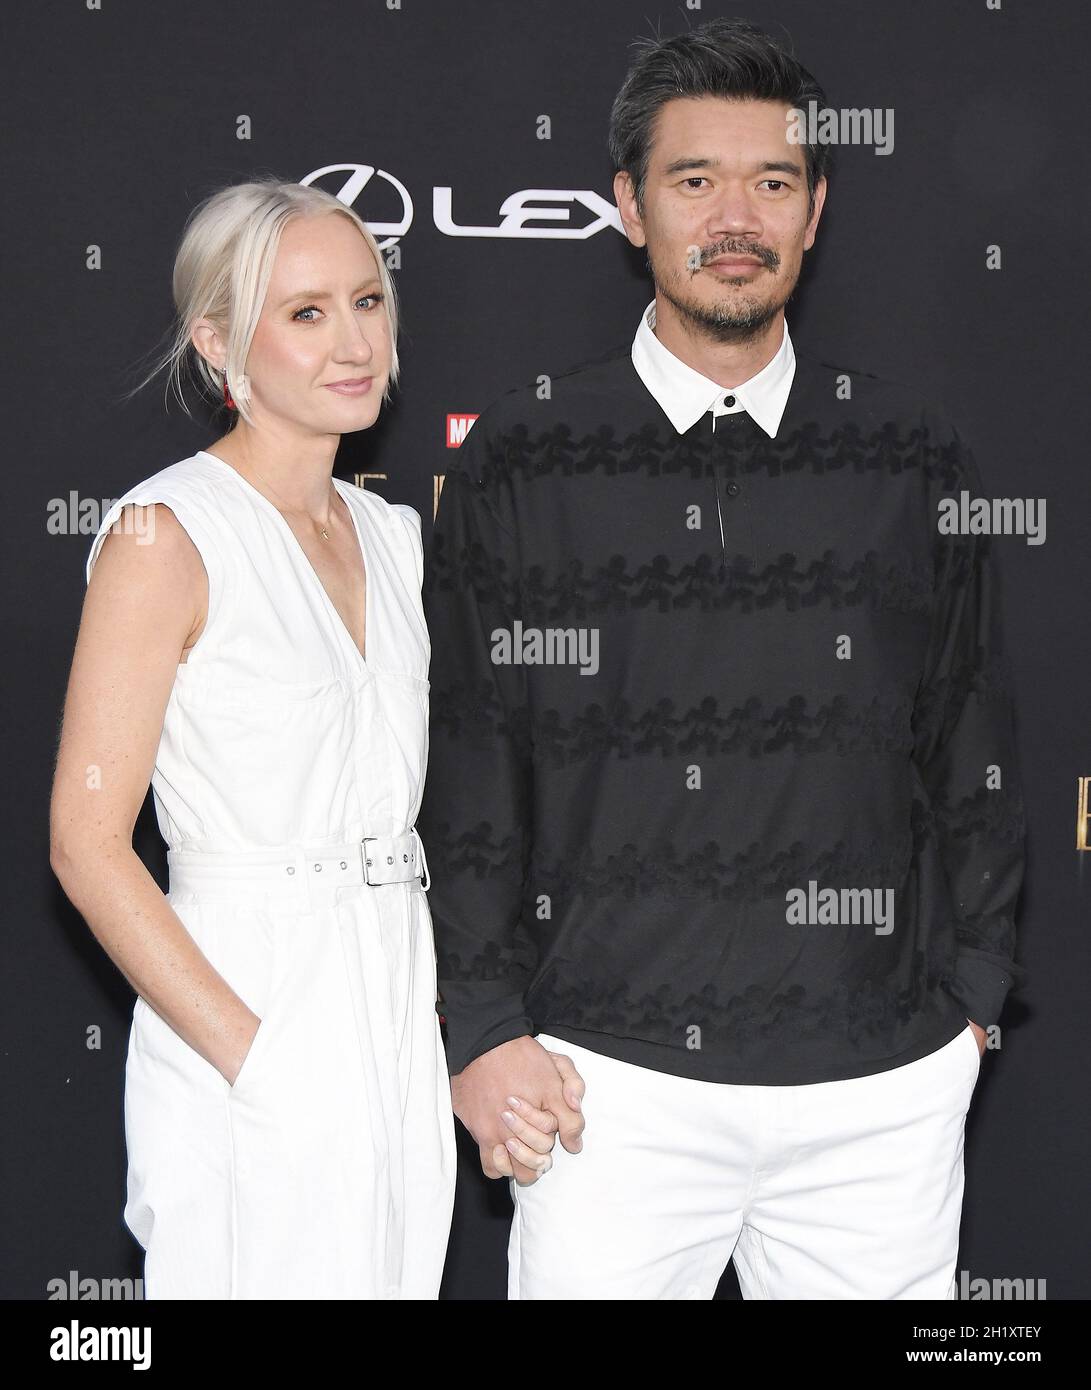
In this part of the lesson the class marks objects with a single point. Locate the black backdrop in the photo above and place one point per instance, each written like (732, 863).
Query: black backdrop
(122, 114)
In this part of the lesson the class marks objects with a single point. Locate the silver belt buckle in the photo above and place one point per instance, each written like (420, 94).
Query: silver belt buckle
(367, 856)
(402, 872)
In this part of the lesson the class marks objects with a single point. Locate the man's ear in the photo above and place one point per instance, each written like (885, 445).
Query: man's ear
(812, 224)
(625, 197)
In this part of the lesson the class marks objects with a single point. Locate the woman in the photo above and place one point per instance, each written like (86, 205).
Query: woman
(252, 638)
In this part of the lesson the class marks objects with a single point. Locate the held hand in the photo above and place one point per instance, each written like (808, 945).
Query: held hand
(979, 1034)
(530, 1143)
(573, 1090)
(524, 1070)
(532, 1126)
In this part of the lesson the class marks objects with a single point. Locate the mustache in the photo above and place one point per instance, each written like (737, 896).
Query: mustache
(765, 254)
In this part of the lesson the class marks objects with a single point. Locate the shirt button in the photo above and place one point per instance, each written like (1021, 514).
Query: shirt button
(732, 489)
(729, 401)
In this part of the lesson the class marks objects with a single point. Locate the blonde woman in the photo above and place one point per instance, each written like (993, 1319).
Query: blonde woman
(252, 640)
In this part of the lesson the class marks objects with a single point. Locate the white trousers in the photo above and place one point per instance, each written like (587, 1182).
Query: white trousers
(835, 1190)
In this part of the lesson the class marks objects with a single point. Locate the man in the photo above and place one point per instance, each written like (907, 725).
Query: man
(722, 800)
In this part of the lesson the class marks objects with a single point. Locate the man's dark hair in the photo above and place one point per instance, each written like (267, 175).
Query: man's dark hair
(728, 58)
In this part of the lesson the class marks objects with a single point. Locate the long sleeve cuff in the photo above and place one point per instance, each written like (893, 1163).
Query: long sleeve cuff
(981, 981)
(473, 1030)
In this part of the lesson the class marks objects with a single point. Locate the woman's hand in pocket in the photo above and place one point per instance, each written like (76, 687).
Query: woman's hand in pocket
(248, 1029)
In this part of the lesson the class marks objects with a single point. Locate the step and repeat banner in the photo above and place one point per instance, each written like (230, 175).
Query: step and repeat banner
(472, 138)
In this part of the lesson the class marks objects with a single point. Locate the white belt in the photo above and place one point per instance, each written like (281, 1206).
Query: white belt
(374, 860)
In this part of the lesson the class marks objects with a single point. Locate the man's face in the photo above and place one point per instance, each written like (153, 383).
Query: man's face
(725, 216)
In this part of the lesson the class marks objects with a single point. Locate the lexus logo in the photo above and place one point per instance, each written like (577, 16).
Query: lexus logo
(517, 209)
(525, 206)
(358, 178)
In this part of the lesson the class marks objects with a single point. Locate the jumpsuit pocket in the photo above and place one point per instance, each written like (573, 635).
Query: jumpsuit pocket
(252, 1056)
(255, 978)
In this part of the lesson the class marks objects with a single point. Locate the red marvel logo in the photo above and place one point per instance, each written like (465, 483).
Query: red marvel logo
(458, 427)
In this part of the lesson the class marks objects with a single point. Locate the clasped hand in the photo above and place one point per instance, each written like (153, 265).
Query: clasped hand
(517, 1100)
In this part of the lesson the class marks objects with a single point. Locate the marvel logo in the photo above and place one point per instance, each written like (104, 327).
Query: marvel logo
(458, 427)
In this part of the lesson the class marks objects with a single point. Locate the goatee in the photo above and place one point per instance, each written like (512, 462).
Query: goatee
(723, 323)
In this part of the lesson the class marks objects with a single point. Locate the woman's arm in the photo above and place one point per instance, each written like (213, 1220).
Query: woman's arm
(145, 603)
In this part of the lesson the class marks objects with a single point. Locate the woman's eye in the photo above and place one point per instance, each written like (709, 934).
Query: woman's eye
(314, 309)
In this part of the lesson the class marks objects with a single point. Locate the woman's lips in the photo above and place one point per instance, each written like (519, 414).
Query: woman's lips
(351, 388)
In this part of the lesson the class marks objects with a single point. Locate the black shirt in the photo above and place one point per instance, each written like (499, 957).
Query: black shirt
(647, 740)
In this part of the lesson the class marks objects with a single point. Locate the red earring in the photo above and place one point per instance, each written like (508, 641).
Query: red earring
(227, 395)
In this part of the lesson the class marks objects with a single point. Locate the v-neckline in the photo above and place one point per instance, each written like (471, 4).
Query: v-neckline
(341, 624)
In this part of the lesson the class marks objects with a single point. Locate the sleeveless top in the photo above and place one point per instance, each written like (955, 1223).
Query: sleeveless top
(277, 731)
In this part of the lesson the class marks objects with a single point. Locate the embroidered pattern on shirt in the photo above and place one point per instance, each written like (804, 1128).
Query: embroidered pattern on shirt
(840, 725)
(653, 451)
(621, 583)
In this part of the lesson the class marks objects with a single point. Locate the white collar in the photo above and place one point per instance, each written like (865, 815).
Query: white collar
(685, 395)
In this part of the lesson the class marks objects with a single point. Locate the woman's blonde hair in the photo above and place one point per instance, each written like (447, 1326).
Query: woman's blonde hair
(222, 271)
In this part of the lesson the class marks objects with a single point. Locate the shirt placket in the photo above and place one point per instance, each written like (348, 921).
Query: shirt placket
(734, 432)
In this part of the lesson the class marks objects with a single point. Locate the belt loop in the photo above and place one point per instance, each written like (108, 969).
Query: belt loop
(423, 859)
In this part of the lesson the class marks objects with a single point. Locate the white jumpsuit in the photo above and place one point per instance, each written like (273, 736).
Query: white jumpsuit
(287, 763)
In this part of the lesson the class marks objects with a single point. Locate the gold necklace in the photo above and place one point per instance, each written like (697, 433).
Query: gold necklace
(325, 533)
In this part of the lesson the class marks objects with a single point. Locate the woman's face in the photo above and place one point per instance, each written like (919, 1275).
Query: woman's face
(323, 322)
